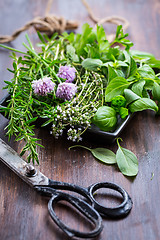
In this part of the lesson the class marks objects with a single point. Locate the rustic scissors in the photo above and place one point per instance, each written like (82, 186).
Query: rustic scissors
(50, 188)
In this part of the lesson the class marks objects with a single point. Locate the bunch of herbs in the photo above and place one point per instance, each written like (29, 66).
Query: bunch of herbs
(107, 75)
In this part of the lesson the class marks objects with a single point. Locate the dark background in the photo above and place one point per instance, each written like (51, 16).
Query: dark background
(23, 213)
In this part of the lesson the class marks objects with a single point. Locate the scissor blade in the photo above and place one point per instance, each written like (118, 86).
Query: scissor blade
(19, 166)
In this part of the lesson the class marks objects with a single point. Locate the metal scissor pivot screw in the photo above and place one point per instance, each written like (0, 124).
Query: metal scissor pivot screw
(30, 171)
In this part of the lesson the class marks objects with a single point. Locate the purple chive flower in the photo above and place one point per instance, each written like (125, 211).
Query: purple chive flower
(66, 90)
(43, 86)
(67, 72)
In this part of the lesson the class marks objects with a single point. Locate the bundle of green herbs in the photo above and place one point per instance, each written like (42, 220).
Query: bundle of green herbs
(76, 80)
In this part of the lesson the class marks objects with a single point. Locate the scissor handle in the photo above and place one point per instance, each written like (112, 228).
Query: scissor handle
(119, 211)
(87, 210)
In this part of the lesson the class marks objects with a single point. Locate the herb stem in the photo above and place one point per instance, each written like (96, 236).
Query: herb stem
(79, 146)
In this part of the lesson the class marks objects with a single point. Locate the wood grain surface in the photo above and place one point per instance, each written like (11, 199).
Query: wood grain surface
(23, 213)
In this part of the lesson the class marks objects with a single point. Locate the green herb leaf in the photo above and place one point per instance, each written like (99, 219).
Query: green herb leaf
(140, 54)
(72, 53)
(102, 154)
(127, 161)
(111, 73)
(156, 91)
(146, 72)
(138, 87)
(130, 96)
(132, 67)
(105, 118)
(92, 64)
(123, 112)
(115, 87)
(143, 104)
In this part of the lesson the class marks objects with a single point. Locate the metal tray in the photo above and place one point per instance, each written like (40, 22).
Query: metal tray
(93, 133)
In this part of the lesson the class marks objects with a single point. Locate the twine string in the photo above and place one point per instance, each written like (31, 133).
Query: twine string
(51, 23)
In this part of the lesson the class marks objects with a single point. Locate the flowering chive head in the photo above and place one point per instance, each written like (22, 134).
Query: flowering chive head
(43, 86)
(66, 90)
(68, 73)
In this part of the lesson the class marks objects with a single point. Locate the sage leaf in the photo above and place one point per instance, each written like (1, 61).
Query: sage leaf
(127, 162)
(103, 154)
(115, 87)
(143, 104)
(91, 64)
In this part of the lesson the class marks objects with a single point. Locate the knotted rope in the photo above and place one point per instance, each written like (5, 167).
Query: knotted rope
(51, 23)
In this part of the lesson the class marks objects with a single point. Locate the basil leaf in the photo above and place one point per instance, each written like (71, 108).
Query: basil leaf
(146, 72)
(132, 67)
(115, 87)
(105, 118)
(154, 63)
(143, 104)
(121, 64)
(92, 63)
(111, 73)
(141, 55)
(130, 96)
(127, 161)
(104, 155)
(138, 87)
(156, 91)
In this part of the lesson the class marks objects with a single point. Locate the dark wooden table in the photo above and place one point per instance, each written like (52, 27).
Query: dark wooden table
(23, 213)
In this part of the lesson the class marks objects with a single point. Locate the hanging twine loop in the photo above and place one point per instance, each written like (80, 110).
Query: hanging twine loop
(51, 23)
(112, 19)
(48, 24)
